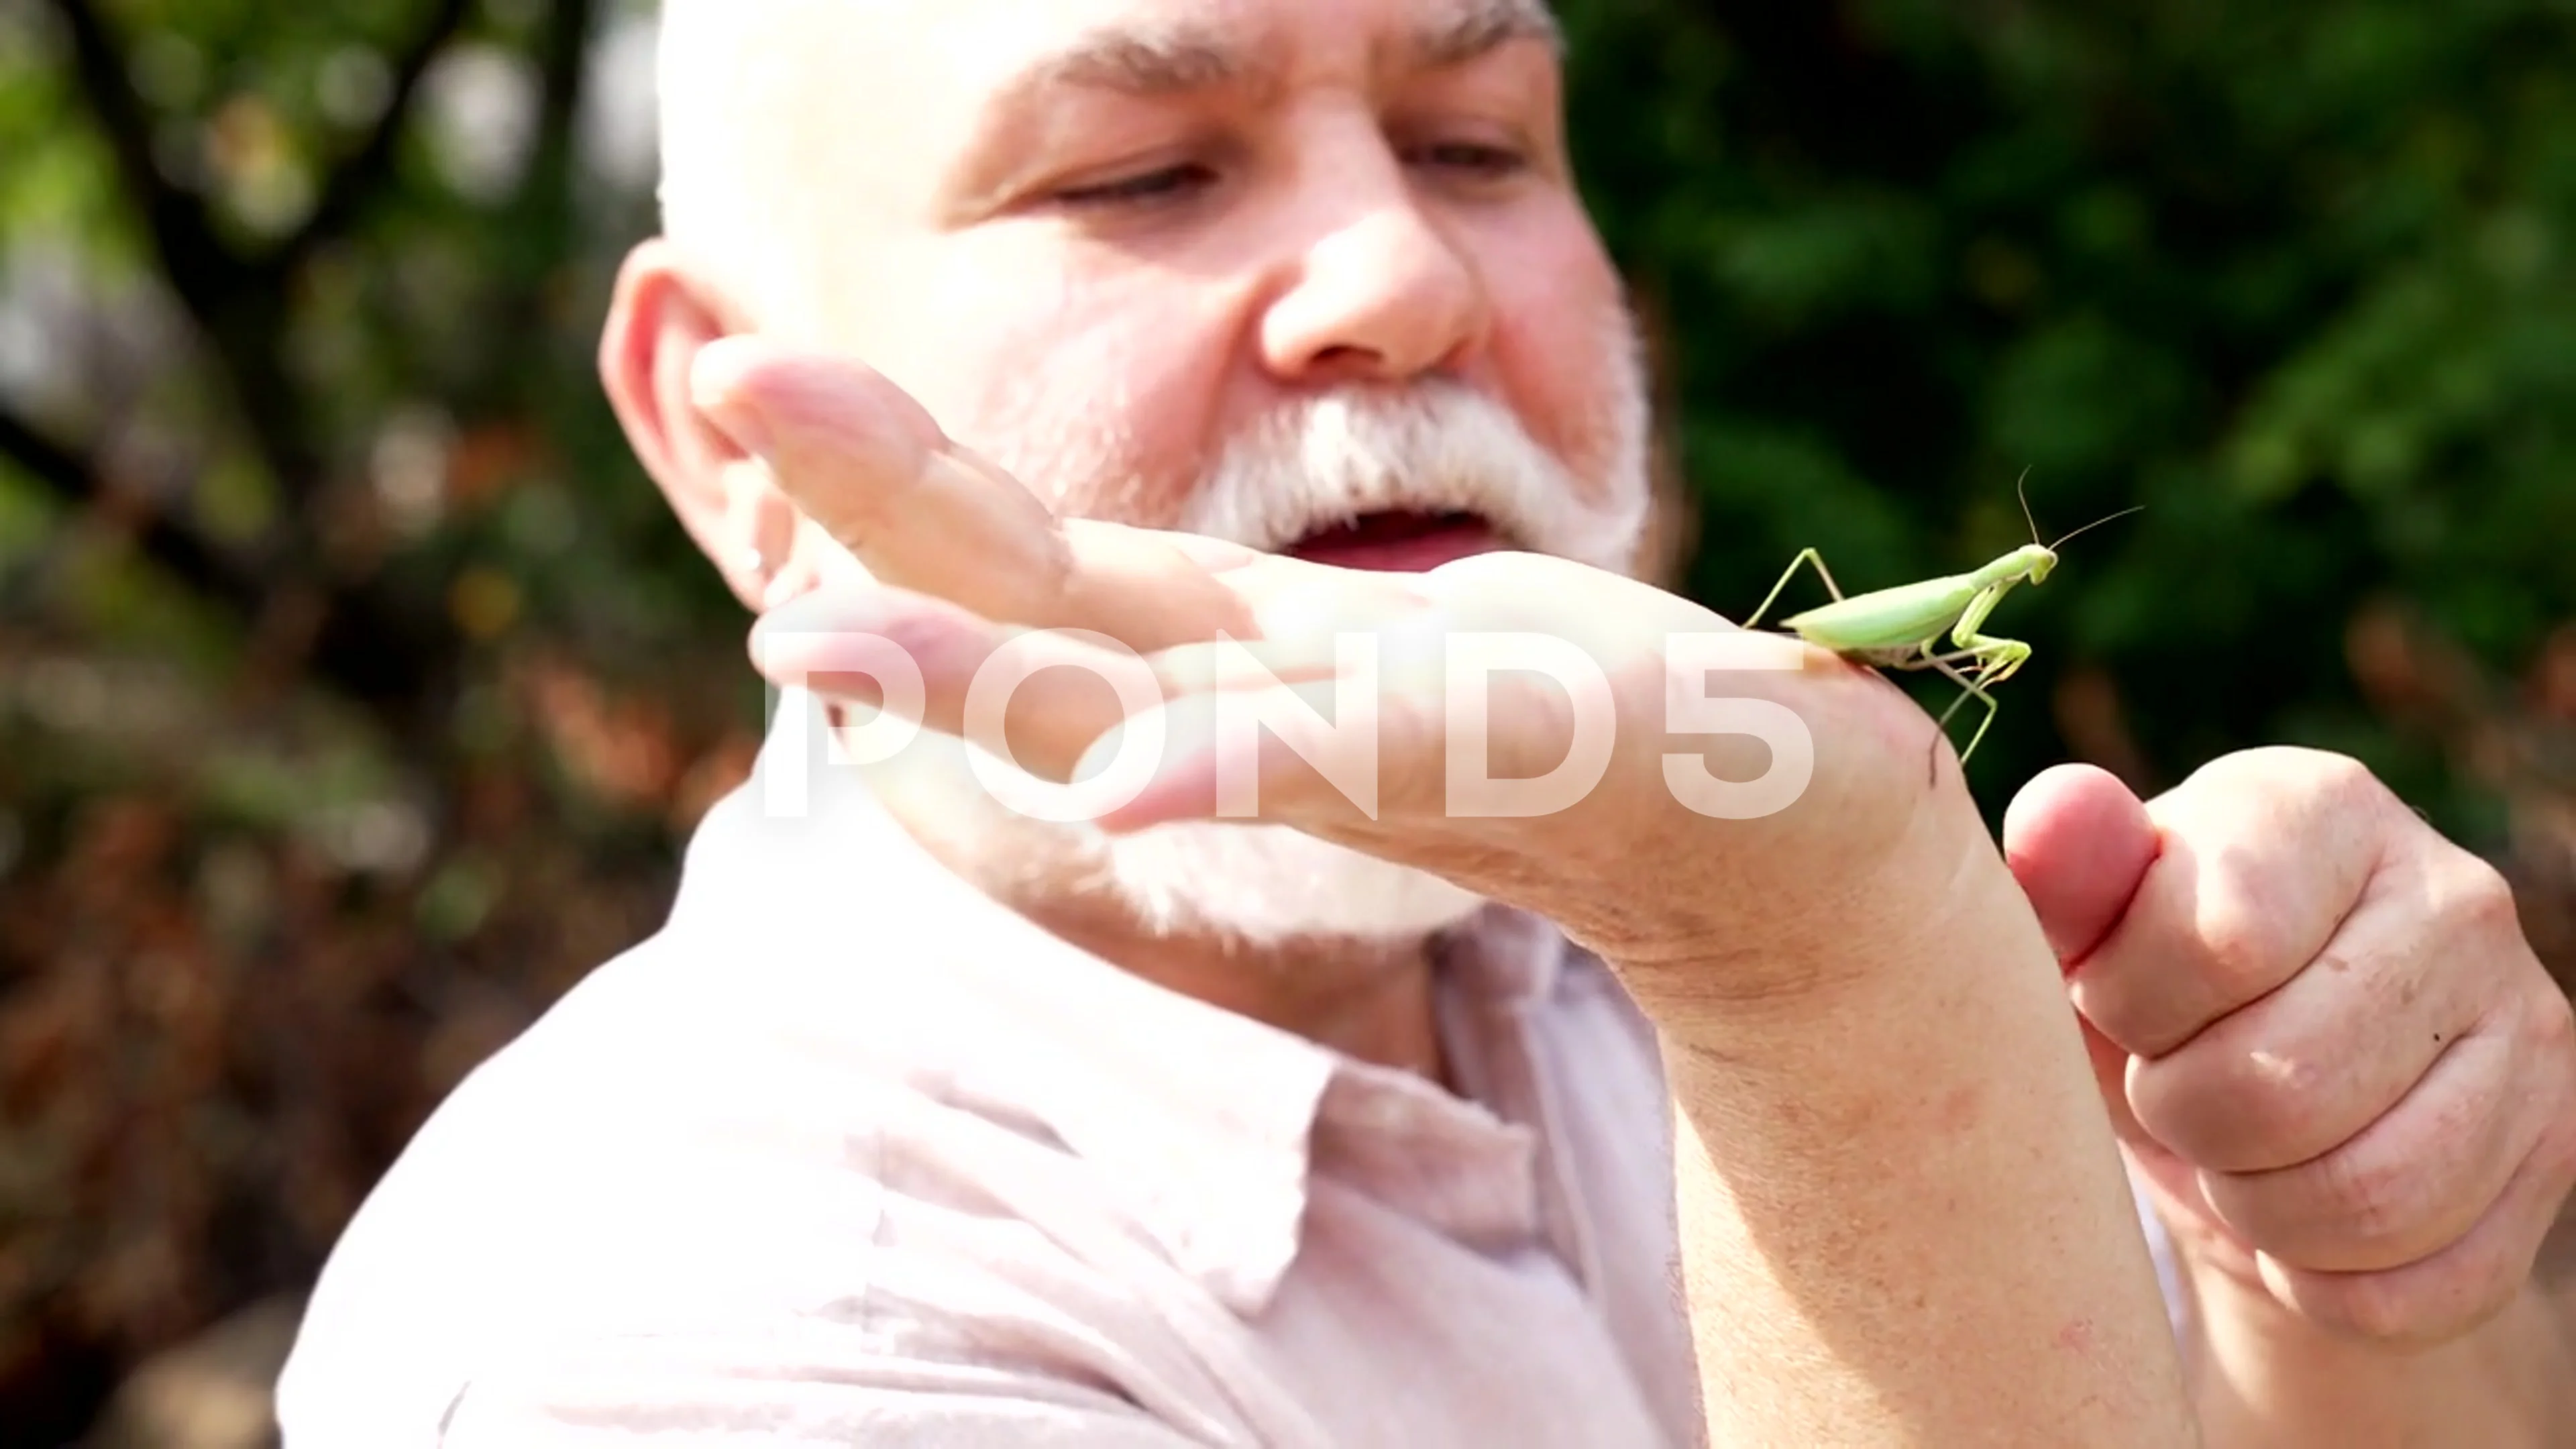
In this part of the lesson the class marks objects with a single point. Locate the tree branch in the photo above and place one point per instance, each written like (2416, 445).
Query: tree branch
(355, 180)
(544, 207)
(62, 472)
(564, 64)
(72, 480)
(238, 316)
(199, 268)
(367, 640)
(365, 646)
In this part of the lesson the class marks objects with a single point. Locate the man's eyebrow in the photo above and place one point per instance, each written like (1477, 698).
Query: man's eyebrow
(1184, 59)
(1474, 27)
(1143, 61)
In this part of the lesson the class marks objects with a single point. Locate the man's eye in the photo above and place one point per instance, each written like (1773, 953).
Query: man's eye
(1170, 183)
(1480, 160)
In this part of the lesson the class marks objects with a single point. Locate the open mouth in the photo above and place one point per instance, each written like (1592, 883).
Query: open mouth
(1400, 541)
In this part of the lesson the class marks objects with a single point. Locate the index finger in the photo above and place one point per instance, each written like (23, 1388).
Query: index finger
(923, 513)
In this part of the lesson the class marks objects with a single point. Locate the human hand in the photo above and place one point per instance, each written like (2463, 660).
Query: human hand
(967, 565)
(2323, 1037)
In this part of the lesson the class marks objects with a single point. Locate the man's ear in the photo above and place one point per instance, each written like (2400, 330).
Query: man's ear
(663, 314)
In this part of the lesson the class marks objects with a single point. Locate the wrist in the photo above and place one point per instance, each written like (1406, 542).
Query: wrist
(1766, 954)
(1894, 1145)
(2261, 1374)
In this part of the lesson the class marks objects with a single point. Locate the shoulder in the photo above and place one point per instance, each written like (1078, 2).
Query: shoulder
(787, 1163)
(649, 1157)
(770, 1200)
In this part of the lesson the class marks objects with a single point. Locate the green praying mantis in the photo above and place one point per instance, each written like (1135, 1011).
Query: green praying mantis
(1898, 628)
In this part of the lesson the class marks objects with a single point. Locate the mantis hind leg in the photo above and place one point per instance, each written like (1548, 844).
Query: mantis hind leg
(1805, 556)
(1969, 689)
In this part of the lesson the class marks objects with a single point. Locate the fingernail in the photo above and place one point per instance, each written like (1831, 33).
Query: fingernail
(1216, 555)
(716, 387)
(783, 590)
(802, 651)
(815, 611)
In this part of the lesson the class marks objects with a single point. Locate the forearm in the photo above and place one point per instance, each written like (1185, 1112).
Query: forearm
(1903, 1217)
(2260, 1378)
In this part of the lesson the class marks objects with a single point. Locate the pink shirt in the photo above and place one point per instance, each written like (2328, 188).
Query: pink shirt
(848, 1154)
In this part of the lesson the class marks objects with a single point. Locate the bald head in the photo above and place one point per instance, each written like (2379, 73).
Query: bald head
(741, 103)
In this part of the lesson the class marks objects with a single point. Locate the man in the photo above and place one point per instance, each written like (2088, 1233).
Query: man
(1047, 341)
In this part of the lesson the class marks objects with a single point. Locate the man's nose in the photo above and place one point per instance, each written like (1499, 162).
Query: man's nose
(1380, 292)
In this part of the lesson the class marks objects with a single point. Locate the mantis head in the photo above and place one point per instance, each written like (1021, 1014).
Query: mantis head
(2034, 560)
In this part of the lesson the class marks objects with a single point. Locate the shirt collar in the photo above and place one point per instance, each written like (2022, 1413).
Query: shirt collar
(1210, 1119)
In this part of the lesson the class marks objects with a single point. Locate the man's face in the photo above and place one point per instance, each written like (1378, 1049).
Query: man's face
(1136, 250)
(1310, 274)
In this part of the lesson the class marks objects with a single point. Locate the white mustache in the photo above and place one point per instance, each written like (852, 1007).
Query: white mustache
(1436, 447)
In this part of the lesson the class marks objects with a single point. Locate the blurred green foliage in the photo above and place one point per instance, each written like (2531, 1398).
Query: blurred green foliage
(2296, 277)
(356, 689)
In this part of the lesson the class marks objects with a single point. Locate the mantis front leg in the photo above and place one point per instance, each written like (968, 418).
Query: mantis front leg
(1995, 660)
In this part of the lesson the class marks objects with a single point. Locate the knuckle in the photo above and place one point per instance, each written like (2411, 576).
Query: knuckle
(2237, 1108)
(2278, 1098)
(2241, 949)
(2553, 1034)
(2482, 902)
(2372, 1198)
(2326, 776)
(2293, 782)
(2290, 769)
(2340, 779)
(2554, 1096)
(935, 642)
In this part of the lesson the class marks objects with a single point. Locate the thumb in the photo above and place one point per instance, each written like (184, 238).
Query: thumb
(2080, 845)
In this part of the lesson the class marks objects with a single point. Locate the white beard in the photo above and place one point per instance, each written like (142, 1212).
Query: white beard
(1258, 885)
(1323, 463)
(1263, 885)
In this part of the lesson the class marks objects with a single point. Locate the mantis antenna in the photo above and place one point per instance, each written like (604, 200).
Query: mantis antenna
(2097, 523)
(2021, 490)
